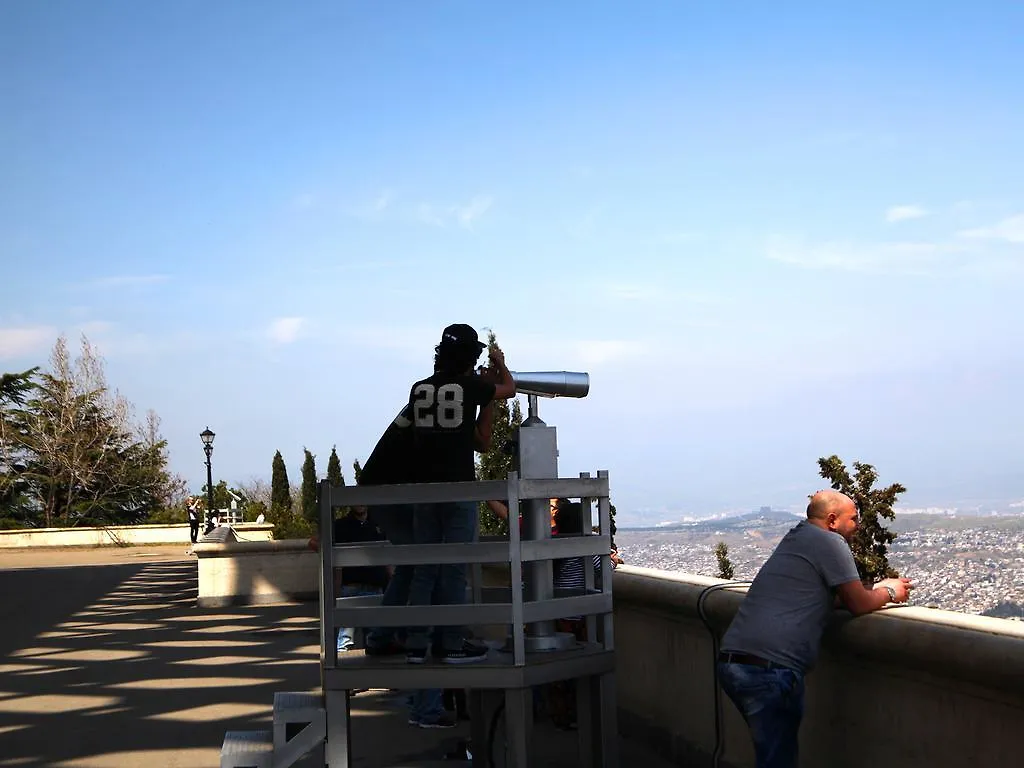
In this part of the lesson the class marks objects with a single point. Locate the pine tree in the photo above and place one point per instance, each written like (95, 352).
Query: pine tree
(334, 476)
(16, 502)
(309, 508)
(81, 458)
(870, 543)
(280, 496)
(499, 459)
(725, 569)
(357, 470)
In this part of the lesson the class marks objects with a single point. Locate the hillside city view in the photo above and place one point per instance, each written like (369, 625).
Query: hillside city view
(968, 564)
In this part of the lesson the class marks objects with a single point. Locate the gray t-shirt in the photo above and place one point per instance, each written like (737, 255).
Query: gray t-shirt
(792, 597)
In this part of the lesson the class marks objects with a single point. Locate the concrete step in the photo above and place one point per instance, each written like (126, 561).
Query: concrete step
(300, 724)
(292, 707)
(247, 749)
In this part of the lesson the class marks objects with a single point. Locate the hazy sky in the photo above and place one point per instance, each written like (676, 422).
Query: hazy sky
(770, 231)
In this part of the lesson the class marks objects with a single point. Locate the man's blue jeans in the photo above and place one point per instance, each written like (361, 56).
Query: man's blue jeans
(396, 523)
(449, 523)
(772, 704)
(345, 641)
(427, 704)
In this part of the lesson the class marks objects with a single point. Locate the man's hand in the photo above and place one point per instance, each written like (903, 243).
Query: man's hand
(497, 358)
(488, 374)
(900, 586)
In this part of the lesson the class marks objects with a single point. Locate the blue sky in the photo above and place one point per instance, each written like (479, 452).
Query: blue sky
(770, 232)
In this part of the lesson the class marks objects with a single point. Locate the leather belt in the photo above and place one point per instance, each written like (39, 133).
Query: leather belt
(748, 658)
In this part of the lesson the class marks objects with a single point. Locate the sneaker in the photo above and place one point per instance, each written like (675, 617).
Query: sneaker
(467, 654)
(416, 655)
(444, 720)
(389, 649)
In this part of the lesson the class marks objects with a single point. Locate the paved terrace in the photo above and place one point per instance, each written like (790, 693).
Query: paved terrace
(108, 663)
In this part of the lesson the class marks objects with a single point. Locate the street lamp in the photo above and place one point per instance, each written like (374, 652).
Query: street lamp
(207, 437)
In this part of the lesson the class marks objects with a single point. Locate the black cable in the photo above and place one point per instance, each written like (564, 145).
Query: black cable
(716, 755)
(492, 732)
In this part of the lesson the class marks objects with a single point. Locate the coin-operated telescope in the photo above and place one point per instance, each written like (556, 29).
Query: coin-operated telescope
(552, 383)
(537, 454)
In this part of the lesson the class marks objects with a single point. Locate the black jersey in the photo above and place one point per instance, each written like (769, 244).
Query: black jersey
(444, 412)
(391, 460)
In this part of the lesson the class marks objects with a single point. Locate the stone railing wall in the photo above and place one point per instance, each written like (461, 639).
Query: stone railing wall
(903, 687)
(242, 573)
(119, 535)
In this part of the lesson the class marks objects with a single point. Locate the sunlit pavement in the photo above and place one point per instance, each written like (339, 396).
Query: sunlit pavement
(115, 666)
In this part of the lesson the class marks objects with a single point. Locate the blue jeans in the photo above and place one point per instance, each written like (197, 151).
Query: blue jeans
(345, 641)
(396, 523)
(449, 523)
(772, 704)
(426, 705)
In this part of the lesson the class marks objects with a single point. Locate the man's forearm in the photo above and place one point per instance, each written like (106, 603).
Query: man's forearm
(484, 428)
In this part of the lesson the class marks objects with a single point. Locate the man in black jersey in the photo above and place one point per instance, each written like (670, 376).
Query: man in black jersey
(451, 418)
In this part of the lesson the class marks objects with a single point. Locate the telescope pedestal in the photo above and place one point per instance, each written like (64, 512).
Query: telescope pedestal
(538, 458)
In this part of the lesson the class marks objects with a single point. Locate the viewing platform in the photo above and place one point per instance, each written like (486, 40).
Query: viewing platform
(108, 662)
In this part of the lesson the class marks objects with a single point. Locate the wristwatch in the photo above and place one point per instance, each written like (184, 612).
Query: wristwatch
(892, 594)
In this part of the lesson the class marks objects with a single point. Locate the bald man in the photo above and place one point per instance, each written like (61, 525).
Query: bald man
(775, 636)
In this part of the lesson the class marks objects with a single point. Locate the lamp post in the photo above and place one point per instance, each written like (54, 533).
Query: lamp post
(207, 438)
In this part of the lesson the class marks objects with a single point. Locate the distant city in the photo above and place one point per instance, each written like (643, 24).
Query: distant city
(965, 563)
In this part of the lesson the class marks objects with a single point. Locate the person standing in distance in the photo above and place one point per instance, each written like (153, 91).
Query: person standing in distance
(450, 419)
(775, 636)
(192, 505)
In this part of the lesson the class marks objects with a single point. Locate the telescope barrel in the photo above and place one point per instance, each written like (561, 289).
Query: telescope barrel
(552, 383)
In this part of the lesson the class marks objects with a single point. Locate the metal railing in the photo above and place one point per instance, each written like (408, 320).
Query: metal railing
(337, 612)
(513, 668)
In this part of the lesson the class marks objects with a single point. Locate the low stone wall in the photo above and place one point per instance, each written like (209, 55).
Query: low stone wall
(902, 687)
(243, 573)
(119, 535)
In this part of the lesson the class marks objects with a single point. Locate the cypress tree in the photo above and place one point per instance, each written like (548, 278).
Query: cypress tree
(280, 495)
(309, 510)
(334, 475)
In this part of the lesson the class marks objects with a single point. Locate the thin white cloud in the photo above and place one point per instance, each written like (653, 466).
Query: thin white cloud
(429, 214)
(464, 215)
(1010, 229)
(905, 213)
(25, 341)
(285, 330)
(903, 257)
(381, 202)
(467, 214)
(126, 281)
(375, 208)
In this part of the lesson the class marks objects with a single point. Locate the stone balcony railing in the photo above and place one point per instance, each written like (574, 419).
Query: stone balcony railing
(119, 535)
(905, 687)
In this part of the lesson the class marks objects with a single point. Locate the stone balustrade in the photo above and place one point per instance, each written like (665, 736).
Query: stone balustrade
(904, 687)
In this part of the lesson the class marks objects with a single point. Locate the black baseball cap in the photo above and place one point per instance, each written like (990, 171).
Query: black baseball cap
(462, 335)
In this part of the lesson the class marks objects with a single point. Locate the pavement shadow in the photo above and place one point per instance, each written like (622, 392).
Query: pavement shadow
(115, 666)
